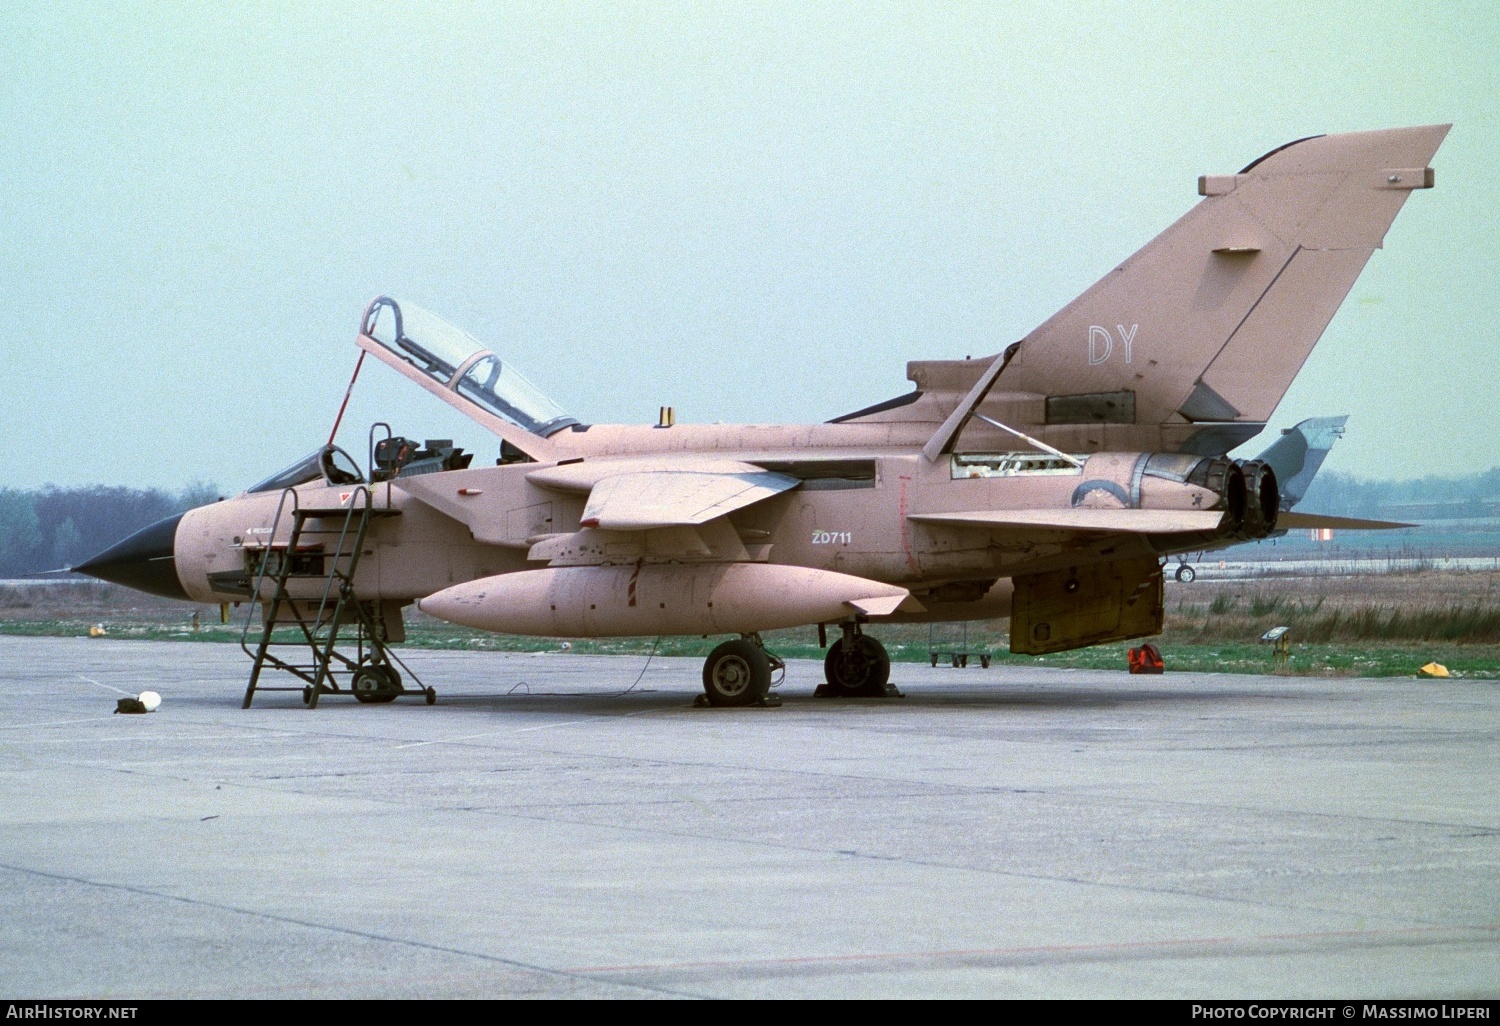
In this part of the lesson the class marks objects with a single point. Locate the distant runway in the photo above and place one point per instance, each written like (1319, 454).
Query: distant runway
(1211, 569)
(1003, 832)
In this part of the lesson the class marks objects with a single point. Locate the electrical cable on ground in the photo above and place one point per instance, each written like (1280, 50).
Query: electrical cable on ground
(528, 693)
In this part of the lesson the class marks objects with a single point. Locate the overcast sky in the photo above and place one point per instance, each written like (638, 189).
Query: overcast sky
(753, 212)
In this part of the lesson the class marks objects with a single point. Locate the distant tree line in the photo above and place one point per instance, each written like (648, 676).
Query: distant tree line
(1343, 495)
(49, 528)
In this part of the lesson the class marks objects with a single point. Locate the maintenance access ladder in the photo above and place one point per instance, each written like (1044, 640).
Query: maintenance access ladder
(305, 556)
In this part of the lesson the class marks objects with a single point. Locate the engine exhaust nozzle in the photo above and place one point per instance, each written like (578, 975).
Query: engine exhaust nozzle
(1235, 498)
(1262, 498)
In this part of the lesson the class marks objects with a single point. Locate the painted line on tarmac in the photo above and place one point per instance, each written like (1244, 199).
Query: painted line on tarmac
(1459, 934)
(522, 730)
(107, 687)
(488, 733)
(328, 927)
(55, 723)
(149, 737)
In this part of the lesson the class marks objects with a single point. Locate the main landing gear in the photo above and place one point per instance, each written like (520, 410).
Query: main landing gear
(738, 673)
(1185, 572)
(857, 666)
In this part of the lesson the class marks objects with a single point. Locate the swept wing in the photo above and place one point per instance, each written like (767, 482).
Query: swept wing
(640, 502)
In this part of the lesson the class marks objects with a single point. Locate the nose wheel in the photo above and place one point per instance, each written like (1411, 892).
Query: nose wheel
(1185, 573)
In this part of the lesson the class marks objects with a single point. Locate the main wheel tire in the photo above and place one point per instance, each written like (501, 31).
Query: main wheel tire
(1185, 574)
(375, 685)
(736, 673)
(863, 670)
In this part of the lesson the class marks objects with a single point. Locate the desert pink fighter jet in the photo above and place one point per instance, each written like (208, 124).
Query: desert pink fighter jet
(1047, 483)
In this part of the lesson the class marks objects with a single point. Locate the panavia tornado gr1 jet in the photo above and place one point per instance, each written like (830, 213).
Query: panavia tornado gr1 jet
(1048, 483)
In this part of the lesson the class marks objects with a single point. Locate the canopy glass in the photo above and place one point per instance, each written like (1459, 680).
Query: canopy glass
(461, 363)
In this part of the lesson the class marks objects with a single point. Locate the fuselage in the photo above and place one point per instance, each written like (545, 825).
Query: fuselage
(851, 514)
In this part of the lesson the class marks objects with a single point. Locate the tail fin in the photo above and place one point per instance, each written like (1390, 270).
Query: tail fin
(1200, 332)
(1299, 452)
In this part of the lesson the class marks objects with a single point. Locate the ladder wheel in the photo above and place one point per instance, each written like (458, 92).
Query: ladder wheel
(375, 685)
(431, 697)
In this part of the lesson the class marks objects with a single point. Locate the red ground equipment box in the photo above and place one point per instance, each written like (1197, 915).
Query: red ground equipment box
(1146, 659)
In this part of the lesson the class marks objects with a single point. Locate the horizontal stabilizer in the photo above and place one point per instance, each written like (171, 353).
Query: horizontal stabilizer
(1293, 521)
(1118, 521)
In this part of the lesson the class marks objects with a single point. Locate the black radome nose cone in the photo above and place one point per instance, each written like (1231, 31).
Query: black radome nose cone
(144, 561)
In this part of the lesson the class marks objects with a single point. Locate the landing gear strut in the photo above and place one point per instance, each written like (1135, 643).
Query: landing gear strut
(738, 673)
(857, 666)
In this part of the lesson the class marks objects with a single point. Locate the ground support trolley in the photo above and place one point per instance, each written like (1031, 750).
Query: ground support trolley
(950, 642)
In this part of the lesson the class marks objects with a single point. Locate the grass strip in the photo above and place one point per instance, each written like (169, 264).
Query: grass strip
(1181, 649)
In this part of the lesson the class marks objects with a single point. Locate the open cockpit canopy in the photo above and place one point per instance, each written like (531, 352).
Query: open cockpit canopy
(461, 365)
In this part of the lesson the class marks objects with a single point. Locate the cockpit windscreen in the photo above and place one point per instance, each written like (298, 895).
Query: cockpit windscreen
(329, 463)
